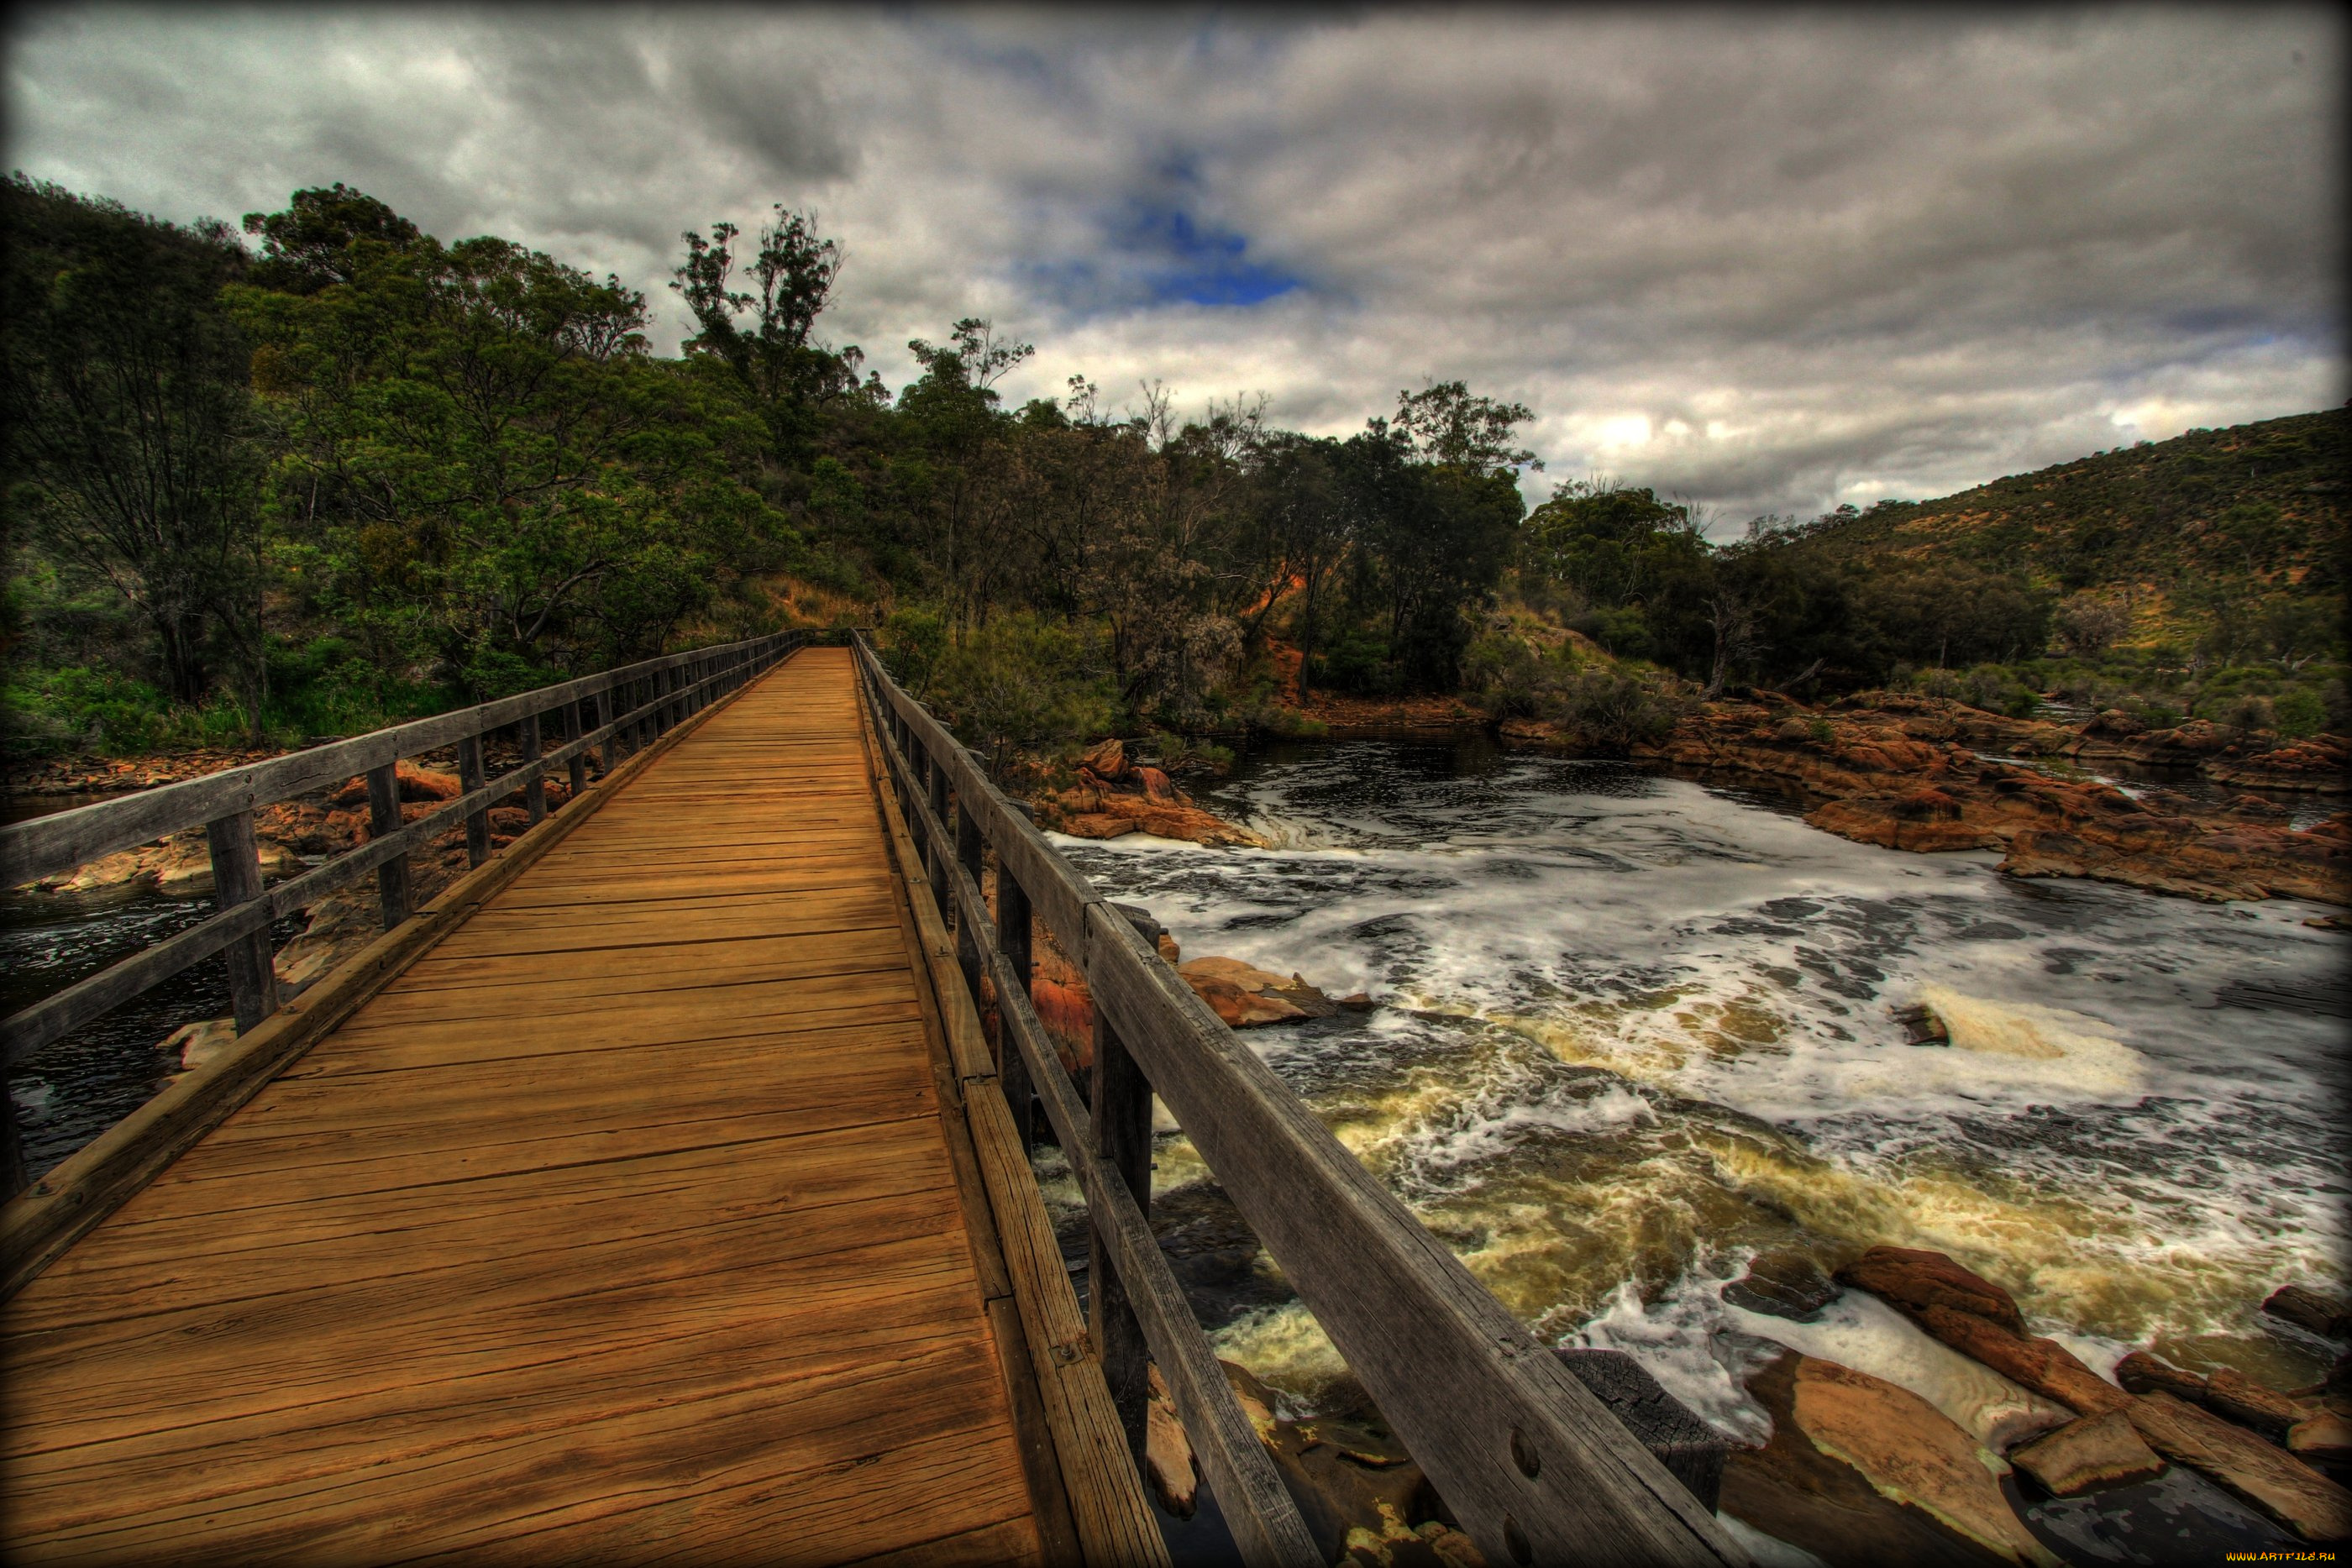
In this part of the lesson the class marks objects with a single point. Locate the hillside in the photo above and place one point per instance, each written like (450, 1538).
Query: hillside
(2263, 503)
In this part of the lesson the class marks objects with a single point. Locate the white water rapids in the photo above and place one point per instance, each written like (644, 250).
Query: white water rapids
(1634, 1030)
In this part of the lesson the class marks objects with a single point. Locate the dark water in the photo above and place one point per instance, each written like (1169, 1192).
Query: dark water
(1635, 1029)
(80, 1085)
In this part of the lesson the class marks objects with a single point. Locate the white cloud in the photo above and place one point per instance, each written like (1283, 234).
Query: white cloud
(1770, 260)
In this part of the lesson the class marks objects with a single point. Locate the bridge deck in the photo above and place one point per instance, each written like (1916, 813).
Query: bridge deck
(623, 1225)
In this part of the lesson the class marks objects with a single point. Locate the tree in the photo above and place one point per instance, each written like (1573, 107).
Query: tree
(2089, 623)
(130, 446)
(778, 360)
(483, 468)
(1443, 424)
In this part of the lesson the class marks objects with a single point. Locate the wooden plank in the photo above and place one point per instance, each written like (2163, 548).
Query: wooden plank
(38, 1223)
(651, 1245)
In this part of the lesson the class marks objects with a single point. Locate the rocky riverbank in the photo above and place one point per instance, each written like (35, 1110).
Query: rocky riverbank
(1928, 774)
(1115, 795)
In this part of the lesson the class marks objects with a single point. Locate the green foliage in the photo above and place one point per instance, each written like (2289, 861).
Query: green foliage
(2299, 712)
(1613, 709)
(1022, 682)
(131, 450)
(481, 465)
(1996, 688)
(1187, 754)
(913, 640)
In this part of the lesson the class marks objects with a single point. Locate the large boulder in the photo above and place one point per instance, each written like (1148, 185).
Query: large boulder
(1245, 996)
(2140, 1373)
(1167, 1459)
(2044, 1365)
(1783, 1282)
(2231, 1394)
(2311, 1311)
(1863, 1474)
(1912, 1278)
(411, 783)
(2266, 1476)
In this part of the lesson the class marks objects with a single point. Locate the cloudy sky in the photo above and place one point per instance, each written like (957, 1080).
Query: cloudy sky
(1769, 260)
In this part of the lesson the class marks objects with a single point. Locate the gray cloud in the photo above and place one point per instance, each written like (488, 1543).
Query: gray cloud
(1773, 260)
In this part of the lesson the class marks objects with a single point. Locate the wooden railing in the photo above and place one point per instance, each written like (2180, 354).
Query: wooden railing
(617, 711)
(1532, 1464)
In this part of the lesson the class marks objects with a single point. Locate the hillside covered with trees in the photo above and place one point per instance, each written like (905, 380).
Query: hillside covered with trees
(334, 471)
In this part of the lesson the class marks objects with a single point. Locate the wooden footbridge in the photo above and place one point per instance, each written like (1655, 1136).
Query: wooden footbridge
(656, 1193)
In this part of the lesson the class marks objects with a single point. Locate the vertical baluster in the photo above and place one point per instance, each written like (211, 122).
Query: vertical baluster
(383, 820)
(607, 709)
(534, 794)
(575, 771)
(1012, 941)
(1121, 1106)
(236, 879)
(471, 777)
(969, 849)
(940, 851)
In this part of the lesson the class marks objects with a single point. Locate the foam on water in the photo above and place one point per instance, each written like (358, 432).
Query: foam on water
(1635, 1029)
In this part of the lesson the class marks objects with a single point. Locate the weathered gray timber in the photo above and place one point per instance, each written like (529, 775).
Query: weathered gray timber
(1534, 1466)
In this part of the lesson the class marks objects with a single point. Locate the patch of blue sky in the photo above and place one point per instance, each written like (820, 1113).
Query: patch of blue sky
(1157, 253)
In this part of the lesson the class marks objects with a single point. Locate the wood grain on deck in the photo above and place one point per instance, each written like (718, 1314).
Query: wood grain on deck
(621, 1227)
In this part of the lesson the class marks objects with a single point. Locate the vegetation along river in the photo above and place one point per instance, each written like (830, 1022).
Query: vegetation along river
(1634, 1030)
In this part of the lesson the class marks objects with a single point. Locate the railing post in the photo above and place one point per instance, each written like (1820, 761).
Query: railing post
(534, 796)
(236, 879)
(969, 849)
(383, 820)
(1122, 1127)
(604, 710)
(940, 853)
(1012, 941)
(575, 771)
(471, 777)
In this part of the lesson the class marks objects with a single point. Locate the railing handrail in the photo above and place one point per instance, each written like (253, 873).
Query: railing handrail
(1533, 1465)
(44, 846)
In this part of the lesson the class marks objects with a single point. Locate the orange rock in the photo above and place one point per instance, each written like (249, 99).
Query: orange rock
(2044, 1365)
(414, 783)
(2274, 1480)
(1912, 1278)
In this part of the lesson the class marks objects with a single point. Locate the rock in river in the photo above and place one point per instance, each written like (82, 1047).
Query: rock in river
(1863, 1474)
(2095, 1451)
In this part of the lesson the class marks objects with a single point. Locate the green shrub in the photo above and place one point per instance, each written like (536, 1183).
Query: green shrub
(2299, 712)
(913, 639)
(1184, 754)
(1614, 709)
(1020, 682)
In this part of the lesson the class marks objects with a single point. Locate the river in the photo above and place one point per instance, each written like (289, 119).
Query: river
(1634, 1030)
